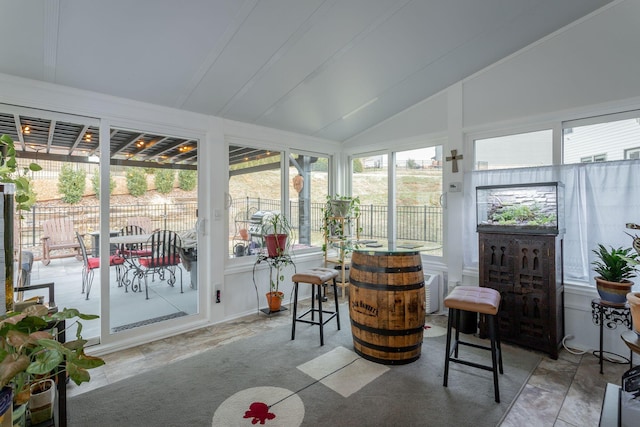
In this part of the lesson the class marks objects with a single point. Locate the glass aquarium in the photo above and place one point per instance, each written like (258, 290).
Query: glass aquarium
(536, 208)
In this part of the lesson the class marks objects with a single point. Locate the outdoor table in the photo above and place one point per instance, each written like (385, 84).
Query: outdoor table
(130, 260)
(95, 242)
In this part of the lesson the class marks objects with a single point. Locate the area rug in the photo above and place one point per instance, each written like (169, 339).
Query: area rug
(271, 380)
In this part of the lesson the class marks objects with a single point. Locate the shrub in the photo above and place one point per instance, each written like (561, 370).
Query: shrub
(187, 179)
(164, 179)
(71, 184)
(412, 164)
(357, 166)
(95, 183)
(321, 165)
(136, 181)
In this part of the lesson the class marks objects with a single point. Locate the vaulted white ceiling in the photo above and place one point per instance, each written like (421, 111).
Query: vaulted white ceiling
(296, 65)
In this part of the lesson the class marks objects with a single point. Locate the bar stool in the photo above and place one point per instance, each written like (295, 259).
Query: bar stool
(316, 277)
(484, 301)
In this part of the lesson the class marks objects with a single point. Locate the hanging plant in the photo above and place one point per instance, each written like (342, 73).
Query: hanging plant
(10, 173)
(339, 214)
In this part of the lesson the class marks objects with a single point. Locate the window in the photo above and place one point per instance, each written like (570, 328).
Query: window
(592, 159)
(514, 151)
(602, 138)
(632, 153)
(308, 188)
(370, 182)
(255, 182)
(415, 219)
(418, 189)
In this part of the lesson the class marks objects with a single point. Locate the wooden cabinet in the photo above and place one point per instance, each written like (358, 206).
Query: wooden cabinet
(339, 236)
(527, 271)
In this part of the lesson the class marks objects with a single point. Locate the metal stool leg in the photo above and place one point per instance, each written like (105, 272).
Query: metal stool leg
(320, 315)
(448, 346)
(458, 315)
(335, 294)
(494, 361)
(295, 310)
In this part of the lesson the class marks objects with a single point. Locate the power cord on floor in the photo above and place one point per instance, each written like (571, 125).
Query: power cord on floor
(609, 357)
(570, 349)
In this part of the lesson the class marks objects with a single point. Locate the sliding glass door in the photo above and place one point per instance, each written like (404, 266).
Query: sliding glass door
(153, 208)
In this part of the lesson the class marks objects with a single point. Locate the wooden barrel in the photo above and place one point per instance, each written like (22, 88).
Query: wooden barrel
(387, 306)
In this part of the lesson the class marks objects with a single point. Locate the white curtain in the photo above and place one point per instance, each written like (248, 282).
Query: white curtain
(599, 199)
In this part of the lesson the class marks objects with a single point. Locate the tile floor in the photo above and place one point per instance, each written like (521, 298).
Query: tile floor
(563, 392)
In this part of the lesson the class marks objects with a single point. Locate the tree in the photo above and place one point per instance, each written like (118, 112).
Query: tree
(95, 183)
(357, 166)
(164, 179)
(187, 179)
(71, 184)
(136, 181)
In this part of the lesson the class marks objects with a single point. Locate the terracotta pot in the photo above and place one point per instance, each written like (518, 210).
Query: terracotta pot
(274, 299)
(613, 292)
(633, 298)
(276, 244)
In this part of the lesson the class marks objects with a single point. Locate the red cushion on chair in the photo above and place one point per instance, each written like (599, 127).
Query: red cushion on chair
(93, 262)
(148, 262)
(116, 260)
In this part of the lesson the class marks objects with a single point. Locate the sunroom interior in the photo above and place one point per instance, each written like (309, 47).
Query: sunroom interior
(353, 98)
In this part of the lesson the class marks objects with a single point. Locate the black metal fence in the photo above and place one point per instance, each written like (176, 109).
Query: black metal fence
(179, 217)
(419, 223)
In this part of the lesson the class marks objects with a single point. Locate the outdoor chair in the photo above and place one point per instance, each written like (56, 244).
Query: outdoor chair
(59, 234)
(91, 263)
(144, 222)
(133, 249)
(164, 247)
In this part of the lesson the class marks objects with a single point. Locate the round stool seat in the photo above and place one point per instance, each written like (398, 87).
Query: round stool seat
(475, 299)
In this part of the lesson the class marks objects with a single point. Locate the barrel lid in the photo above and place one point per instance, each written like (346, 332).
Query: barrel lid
(387, 252)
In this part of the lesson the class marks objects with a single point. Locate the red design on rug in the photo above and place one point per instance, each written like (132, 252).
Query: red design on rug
(259, 412)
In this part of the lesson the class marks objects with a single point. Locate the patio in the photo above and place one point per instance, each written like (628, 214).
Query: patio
(128, 309)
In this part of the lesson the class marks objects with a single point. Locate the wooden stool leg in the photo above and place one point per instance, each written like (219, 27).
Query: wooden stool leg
(448, 346)
(295, 310)
(335, 294)
(494, 361)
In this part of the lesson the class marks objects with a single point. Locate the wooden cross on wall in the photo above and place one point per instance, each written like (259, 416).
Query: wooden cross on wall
(454, 159)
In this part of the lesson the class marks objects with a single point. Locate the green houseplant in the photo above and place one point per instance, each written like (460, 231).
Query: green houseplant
(10, 173)
(24, 198)
(614, 266)
(30, 352)
(339, 214)
(276, 231)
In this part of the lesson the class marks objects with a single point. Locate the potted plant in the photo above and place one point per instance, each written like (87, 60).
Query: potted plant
(276, 229)
(339, 213)
(24, 198)
(276, 276)
(614, 270)
(31, 354)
